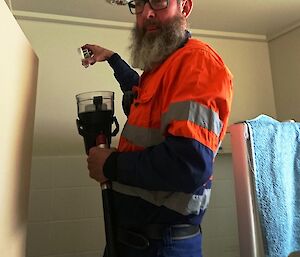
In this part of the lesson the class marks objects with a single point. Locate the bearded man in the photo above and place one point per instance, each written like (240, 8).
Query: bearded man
(177, 112)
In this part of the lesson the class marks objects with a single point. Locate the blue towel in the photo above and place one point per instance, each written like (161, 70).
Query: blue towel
(277, 181)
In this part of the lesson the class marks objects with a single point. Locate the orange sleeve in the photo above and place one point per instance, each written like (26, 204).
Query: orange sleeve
(199, 85)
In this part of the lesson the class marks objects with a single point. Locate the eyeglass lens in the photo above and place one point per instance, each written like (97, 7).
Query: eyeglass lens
(137, 6)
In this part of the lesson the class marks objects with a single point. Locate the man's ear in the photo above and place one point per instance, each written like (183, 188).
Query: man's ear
(186, 7)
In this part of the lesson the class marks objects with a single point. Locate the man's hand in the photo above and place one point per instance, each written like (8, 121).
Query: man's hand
(96, 159)
(100, 54)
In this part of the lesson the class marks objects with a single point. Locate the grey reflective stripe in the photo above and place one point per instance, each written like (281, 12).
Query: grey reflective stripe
(194, 112)
(140, 136)
(182, 203)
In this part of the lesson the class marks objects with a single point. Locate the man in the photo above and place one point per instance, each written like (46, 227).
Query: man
(177, 116)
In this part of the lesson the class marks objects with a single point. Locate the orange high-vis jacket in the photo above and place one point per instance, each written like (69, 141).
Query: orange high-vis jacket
(189, 96)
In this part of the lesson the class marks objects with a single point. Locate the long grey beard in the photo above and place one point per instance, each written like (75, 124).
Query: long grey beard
(149, 51)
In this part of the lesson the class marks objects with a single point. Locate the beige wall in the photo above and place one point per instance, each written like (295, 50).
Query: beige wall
(285, 62)
(18, 88)
(65, 213)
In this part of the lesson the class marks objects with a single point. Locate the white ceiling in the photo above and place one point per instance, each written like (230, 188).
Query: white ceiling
(263, 17)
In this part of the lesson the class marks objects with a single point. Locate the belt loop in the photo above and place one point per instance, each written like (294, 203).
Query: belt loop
(167, 237)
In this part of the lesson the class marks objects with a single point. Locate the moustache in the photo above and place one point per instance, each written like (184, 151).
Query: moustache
(148, 23)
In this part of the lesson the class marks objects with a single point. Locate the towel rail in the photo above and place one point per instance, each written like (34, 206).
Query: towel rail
(250, 236)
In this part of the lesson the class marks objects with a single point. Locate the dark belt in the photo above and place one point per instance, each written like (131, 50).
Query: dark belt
(140, 238)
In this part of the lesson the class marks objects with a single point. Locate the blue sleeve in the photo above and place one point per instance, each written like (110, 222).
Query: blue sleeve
(124, 74)
(178, 164)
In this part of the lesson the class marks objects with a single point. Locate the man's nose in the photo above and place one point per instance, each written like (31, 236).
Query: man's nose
(148, 12)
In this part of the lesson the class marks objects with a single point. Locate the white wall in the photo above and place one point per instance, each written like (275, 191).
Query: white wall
(18, 81)
(65, 216)
(65, 213)
(285, 62)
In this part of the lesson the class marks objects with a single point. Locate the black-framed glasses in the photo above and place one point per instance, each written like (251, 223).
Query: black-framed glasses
(137, 6)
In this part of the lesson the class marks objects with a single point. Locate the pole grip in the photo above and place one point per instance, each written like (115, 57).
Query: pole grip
(107, 208)
(108, 220)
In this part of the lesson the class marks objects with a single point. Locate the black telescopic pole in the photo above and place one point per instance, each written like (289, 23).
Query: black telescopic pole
(108, 220)
(107, 208)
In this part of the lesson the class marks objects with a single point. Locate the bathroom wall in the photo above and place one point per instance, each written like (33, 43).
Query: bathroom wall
(285, 63)
(18, 80)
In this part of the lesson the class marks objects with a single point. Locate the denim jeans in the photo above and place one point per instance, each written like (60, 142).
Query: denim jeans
(190, 247)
